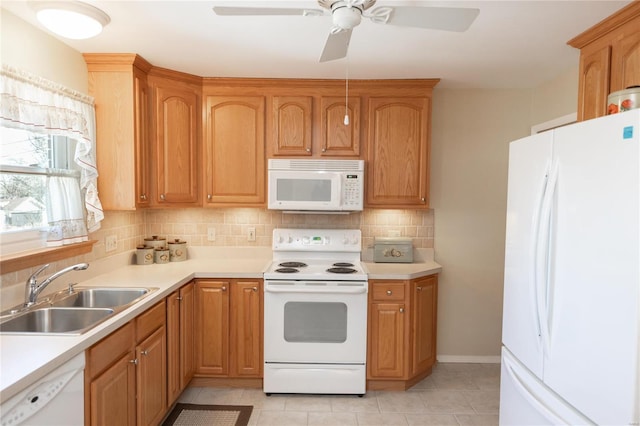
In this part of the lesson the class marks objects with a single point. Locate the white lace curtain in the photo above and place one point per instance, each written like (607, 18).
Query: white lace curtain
(39, 105)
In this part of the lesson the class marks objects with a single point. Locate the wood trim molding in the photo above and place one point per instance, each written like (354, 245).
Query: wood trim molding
(24, 260)
(624, 15)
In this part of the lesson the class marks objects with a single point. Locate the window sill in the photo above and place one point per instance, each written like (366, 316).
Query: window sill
(24, 260)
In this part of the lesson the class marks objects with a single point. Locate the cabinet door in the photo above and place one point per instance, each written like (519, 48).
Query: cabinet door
(246, 329)
(337, 138)
(187, 334)
(291, 122)
(594, 82)
(212, 327)
(386, 340)
(398, 152)
(151, 389)
(112, 400)
(625, 61)
(141, 129)
(234, 151)
(424, 312)
(176, 144)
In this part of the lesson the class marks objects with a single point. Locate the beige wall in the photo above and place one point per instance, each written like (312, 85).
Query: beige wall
(471, 132)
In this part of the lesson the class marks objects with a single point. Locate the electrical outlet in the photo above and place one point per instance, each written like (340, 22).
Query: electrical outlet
(211, 234)
(251, 234)
(111, 243)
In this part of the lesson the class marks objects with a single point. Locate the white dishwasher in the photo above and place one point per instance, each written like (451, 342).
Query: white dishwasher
(57, 399)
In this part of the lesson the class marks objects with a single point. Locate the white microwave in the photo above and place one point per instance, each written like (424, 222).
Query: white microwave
(307, 185)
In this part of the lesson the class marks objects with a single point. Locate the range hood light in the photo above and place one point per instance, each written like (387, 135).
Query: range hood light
(71, 19)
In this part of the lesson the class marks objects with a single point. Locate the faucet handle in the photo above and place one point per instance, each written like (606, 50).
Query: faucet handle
(70, 289)
(36, 273)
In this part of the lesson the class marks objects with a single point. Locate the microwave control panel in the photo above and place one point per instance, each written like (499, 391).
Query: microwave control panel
(352, 196)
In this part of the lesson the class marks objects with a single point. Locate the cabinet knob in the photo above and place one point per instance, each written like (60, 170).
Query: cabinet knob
(308, 149)
(209, 197)
(179, 298)
(143, 196)
(324, 149)
(224, 288)
(402, 310)
(254, 288)
(419, 288)
(389, 292)
(134, 361)
(162, 197)
(424, 200)
(144, 352)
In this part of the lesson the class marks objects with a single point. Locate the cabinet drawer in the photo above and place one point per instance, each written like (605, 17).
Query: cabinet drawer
(388, 291)
(101, 355)
(149, 321)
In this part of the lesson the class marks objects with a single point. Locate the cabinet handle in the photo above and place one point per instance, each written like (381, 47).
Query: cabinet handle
(388, 292)
(209, 197)
(144, 352)
(179, 298)
(162, 197)
(143, 196)
(224, 288)
(419, 288)
(402, 310)
(134, 361)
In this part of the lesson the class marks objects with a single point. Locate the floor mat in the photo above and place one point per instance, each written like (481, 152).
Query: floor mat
(209, 415)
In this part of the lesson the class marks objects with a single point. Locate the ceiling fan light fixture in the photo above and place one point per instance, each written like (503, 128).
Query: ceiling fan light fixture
(347, 17)
(71, 19)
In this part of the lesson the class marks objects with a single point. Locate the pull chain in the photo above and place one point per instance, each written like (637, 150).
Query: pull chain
(346, 96)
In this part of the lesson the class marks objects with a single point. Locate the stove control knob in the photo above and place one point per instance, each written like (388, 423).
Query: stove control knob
(354, 240)
(306, 240)
(327, 240)
(280, 239)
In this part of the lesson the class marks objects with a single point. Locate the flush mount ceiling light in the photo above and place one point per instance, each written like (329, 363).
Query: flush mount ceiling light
(70, 19)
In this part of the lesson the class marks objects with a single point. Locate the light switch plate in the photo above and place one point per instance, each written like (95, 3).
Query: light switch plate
(111, 243)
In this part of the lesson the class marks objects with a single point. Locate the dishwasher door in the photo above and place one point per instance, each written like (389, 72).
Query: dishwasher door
(56, 399)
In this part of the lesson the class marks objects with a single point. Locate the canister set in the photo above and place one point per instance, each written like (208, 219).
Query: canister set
(157, 250)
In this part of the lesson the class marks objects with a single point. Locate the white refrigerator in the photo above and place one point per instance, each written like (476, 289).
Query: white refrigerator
(571, 314)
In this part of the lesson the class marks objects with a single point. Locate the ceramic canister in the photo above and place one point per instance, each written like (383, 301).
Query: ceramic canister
(177, 250)
(155, 242)
(161, 255)
(144, 255)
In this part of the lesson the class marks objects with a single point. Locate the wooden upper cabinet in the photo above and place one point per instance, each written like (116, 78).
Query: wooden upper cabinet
(176, 136)
(609, 60)
(234, 151)
(118, 83)
(398, 152)
(337, 138)
(291, 121)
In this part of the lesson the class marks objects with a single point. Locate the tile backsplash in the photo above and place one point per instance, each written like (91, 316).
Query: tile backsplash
(231, 227)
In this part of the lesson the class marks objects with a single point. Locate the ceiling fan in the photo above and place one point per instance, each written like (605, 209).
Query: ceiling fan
(347, 15)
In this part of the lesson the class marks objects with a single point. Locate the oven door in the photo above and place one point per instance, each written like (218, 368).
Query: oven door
(315, 321)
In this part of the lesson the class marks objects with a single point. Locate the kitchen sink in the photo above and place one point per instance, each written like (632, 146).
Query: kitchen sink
(99, 297)
(56, 320)
(71, 312)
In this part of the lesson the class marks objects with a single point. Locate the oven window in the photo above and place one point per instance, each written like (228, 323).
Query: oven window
(315, 322)
(304, 190)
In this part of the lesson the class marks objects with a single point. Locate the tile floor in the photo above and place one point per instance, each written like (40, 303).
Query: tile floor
(455, 394)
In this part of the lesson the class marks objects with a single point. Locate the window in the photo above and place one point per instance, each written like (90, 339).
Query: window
(27, 161)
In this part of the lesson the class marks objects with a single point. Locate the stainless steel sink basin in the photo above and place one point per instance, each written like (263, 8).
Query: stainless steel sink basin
(99, 297)
(56, 320)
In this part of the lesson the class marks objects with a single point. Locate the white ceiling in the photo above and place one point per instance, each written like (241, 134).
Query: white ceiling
(512, 44)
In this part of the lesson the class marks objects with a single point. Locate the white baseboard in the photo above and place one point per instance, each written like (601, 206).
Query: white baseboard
(469, 359)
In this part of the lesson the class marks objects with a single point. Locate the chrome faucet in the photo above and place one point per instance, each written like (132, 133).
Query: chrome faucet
(33, 289)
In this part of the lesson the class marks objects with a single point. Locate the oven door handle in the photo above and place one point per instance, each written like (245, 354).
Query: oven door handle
(317, 290)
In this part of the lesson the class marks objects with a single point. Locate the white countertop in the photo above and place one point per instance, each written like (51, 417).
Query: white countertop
(26, 359)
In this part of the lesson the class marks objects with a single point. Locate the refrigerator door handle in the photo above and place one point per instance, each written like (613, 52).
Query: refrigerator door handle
(530, 396)
(541, 261)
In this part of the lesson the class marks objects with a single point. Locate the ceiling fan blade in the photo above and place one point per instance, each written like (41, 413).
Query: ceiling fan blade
(336, 46)
(436, 18)
(263, 11)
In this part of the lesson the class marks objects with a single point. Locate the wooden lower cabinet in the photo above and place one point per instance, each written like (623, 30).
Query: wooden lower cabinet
(180, 340)
(401, 332)
(125, 373)
(229, 328)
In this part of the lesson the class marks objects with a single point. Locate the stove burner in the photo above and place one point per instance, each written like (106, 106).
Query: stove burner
(341, 270)
(286, 270)
(343, 264)
(292, 264)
